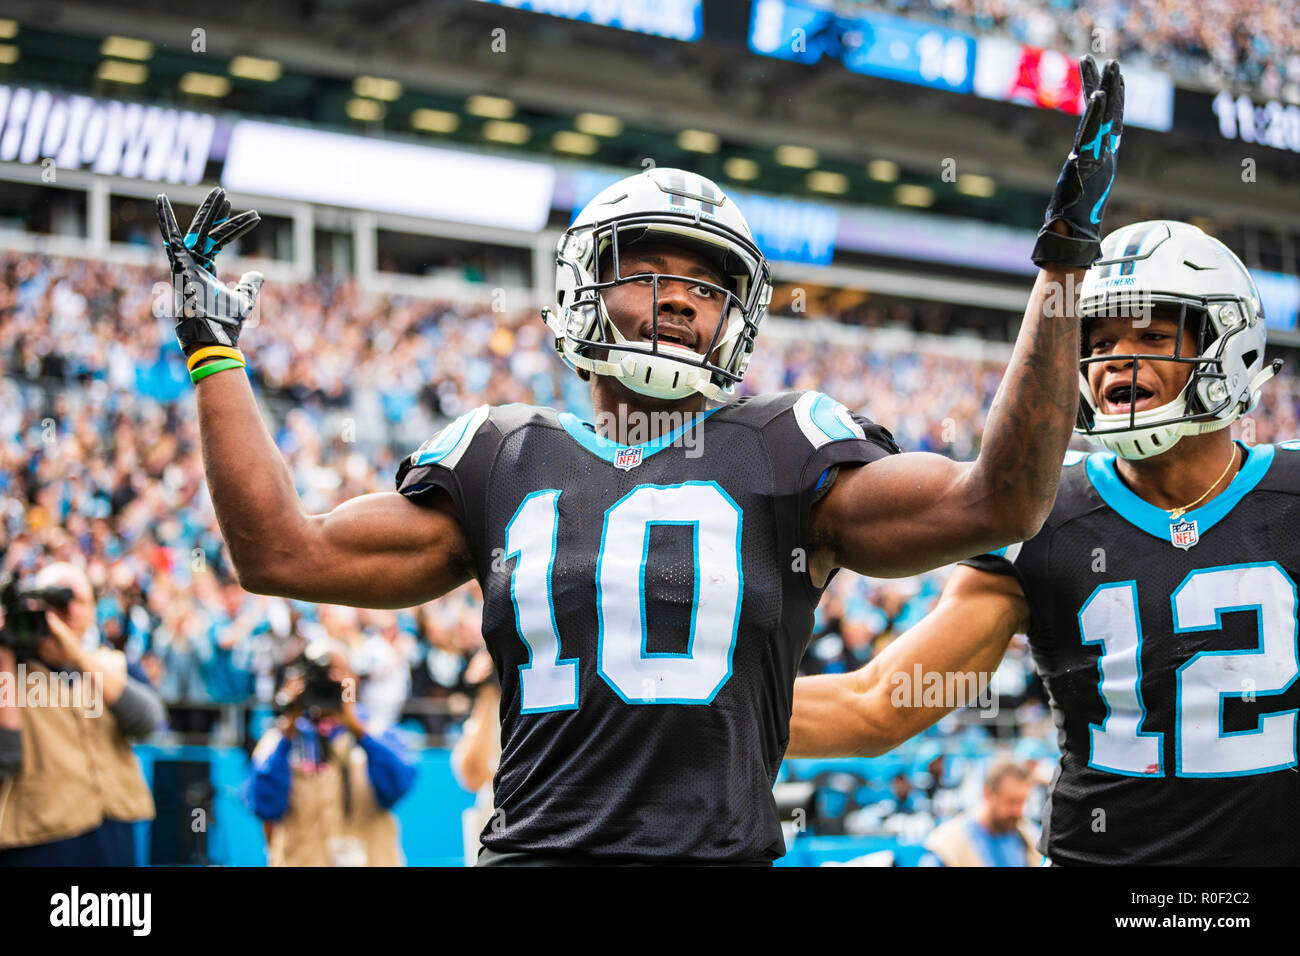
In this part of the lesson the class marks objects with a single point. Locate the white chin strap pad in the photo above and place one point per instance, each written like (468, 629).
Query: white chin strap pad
(666, 375)
(1148, 440)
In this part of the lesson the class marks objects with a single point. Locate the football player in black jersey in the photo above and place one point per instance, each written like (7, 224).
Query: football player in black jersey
(1159, 597)
(649, 580)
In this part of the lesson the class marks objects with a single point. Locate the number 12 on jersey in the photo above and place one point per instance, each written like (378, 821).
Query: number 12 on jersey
(636, 674)
(1202, 748)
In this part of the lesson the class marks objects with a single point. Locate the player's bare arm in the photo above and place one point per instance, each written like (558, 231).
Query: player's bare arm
(376, 550)
(857, 713)
(907, 513)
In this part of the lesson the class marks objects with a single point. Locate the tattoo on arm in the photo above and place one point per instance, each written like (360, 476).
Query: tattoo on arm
(1028, 427)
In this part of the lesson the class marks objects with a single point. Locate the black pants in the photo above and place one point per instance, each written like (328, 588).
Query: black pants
(112, 843)
(488, 857)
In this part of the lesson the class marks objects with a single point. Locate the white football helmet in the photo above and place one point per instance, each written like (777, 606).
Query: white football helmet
(1175, 264)
(672, 206)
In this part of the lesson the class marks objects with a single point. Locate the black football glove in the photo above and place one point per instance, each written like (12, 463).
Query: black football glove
(1089, 171)
(207, 312)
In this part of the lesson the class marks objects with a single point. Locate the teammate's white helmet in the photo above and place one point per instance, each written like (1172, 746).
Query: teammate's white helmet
(671, 206)
(1175, 264)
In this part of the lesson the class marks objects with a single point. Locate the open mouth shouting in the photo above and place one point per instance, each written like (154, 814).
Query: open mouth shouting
(1121, 398)
(671, 334)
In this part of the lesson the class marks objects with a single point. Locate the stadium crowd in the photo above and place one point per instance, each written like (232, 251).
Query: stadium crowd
(100, 465)
(1256, 45)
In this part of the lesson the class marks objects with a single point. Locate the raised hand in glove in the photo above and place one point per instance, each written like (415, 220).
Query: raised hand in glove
(1084, 184)
(207, 312)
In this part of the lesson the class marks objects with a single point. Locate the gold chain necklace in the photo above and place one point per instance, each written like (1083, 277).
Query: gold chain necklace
(1177, 513)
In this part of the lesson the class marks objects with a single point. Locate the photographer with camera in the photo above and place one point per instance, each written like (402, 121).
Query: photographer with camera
(322, 784)
(70, 785)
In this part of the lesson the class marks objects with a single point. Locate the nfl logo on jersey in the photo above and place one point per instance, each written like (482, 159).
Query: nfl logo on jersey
(627, 458)
(1184, 534)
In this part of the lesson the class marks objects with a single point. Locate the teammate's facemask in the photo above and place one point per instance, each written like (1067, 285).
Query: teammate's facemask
(676, 208)
(1176, 266)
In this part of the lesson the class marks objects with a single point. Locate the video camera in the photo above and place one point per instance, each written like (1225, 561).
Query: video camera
(321, 694)
(24, 615)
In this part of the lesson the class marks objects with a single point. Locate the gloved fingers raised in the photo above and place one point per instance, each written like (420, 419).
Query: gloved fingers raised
(231, 229)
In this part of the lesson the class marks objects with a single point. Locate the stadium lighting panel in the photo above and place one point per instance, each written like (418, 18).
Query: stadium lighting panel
(581, 144)
(255, 68)
(972, 184)
(126, 48)
(435, 121)
(205, 84)
(698, 141)
(500, 131)
(364, 110)
(116, 71)
(827, 181)
(490, 107)
(883, 170)
(907, 194)
(740, 168)
(598, 124)
(377, 88)
(800, 157)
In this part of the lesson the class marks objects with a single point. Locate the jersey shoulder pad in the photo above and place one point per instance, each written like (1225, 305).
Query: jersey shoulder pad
(755, 411)
(1279, 466)
(817, 417)
(808, 433)
(448, 446)
(823, 420)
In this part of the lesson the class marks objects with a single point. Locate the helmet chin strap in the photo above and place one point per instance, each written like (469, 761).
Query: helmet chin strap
(1140, 442)
(1149, 440)
(669, 375)
(1256, 383)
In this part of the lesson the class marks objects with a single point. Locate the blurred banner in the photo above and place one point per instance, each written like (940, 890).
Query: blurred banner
(674, 19)
(871, 43)
(106, 136)
(787, 230)
(908, 51)
(1272, 123)
(1010, 71)
(291, 162)
(1280, 295)
(927, 237)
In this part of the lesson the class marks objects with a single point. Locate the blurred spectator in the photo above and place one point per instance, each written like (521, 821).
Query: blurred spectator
(994, 833)
(1240, 42)
(903, 797)
(383, 664)
(322, 783)
(476, 755)
(70, 785)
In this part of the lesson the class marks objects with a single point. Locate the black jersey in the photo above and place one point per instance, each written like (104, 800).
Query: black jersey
(1169, 650)
(646, 607)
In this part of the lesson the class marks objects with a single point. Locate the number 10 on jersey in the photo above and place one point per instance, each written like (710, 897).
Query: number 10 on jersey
(639, 676)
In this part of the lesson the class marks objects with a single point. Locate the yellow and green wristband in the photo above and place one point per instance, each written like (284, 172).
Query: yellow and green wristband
(226, 358)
